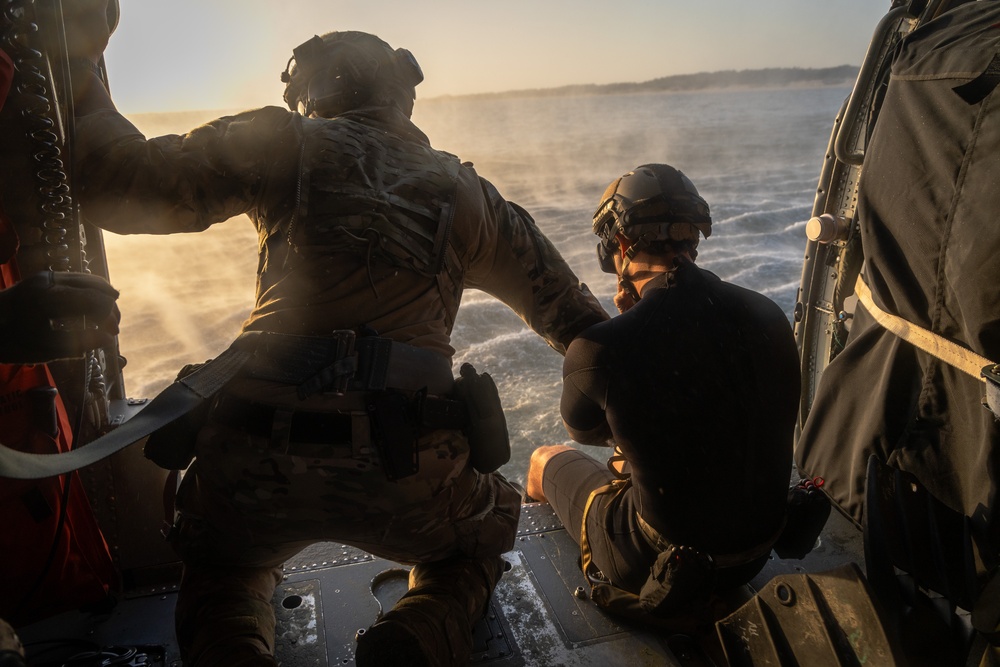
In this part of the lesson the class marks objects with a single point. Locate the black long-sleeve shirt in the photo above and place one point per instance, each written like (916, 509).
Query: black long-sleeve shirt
(698, 384)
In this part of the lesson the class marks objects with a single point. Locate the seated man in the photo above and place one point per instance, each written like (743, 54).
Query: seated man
(696, 386)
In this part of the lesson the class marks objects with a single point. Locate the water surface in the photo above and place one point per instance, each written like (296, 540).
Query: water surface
(754, 155)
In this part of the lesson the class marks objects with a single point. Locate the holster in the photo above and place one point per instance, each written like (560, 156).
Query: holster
(394, 434)
(172, 446)
(486, 426)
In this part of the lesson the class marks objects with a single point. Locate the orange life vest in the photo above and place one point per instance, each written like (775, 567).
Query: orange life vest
(53, 557)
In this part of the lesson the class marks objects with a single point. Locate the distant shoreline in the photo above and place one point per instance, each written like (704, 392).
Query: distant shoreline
(756, 79)
(773, 77)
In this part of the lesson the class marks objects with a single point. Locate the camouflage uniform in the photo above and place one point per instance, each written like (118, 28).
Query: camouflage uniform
(361, 222)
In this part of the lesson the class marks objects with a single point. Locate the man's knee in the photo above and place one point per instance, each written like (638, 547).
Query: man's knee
(536, 468)
(542, 454)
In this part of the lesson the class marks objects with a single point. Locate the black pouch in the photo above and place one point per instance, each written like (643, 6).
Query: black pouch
(807, 514)
(681, 577)
(486, 428)
(172, 446)
(676, 593)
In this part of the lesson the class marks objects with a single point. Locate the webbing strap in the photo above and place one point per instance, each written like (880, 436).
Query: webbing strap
(951, 353)
(175, 401)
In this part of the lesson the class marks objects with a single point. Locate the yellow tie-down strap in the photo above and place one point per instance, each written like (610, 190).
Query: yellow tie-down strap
(951, 353)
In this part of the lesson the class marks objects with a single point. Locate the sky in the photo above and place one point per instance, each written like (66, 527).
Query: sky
(175, 55)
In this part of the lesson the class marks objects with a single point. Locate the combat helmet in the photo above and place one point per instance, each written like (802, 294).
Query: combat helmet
(341, 71)
(653, 203)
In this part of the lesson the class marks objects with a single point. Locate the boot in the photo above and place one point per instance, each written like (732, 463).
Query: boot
(224, 616)
(431, 625)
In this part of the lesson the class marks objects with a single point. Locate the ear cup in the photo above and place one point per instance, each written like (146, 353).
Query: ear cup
(407, 67)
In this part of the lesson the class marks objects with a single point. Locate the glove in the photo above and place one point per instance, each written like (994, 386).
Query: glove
(49, 316)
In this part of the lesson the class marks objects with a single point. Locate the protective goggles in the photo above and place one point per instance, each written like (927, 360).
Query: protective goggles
(606, 256)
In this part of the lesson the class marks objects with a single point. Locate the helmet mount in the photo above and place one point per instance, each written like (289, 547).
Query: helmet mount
(341, 71)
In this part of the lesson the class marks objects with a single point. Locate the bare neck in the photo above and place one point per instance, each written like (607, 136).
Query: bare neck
(647, 269)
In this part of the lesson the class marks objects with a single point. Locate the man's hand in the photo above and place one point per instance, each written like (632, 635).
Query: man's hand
(56, 315)
(623, 299)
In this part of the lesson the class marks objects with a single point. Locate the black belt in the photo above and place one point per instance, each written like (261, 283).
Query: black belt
(258, 419)
(324, 428)
(339, 362)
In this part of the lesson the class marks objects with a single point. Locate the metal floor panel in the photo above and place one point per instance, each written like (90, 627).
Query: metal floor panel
(540, 614)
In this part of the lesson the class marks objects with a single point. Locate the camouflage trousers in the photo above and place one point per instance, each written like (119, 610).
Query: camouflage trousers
(244, 508)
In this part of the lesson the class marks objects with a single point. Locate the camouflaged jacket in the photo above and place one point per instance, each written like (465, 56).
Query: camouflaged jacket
(360, 221)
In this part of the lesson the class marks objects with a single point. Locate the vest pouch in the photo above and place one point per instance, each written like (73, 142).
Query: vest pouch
(807, 514)
(486, 427)
(172, 446)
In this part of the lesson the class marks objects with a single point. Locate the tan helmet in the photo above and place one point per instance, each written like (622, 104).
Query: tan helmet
(654, 202)
(346, 70)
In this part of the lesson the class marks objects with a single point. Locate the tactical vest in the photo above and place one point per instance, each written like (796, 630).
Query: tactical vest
(373, 194)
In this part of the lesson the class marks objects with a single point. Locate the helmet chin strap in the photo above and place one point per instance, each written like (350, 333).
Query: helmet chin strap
(628, 253)
(628, 288)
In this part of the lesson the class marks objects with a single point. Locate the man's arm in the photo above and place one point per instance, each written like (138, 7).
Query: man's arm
(599, 436)
(517, 264)
(180, 183)
(175, 183)
(584, 394)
